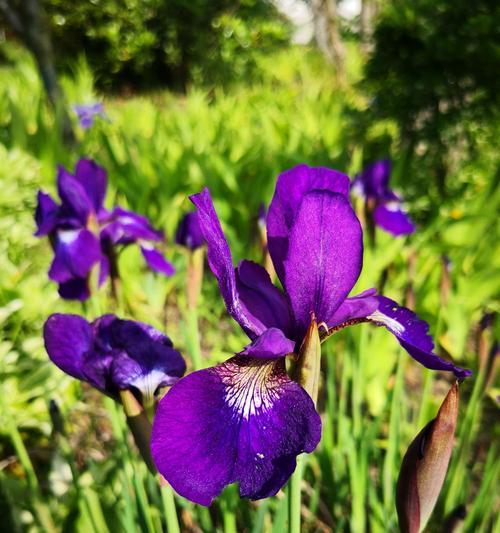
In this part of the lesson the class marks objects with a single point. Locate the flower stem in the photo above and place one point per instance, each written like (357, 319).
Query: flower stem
(294, 497)
(168, 500)
(193, 338)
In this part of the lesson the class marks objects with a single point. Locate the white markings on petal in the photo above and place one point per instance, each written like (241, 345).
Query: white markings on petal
(389, 322)
(68, 236)
(149, 383)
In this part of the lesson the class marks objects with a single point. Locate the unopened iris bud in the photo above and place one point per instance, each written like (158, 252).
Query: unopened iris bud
(424, 467)
(307, 370)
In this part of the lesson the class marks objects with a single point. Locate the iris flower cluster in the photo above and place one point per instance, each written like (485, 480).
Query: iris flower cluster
(246, 420)
(86, 236)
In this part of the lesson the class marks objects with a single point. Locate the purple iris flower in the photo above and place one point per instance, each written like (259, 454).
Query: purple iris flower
(113, 354)
(189, 233)
(245, 420)
(88, 112)
(84, 234)
(388, 213)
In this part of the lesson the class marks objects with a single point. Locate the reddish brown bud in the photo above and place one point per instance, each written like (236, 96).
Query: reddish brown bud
(424, 467)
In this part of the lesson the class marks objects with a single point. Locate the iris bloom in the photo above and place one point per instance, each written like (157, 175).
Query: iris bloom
(189, 233)
(382, 203)
(113, 354)
(84, 234)
(245, 420)
(88, 112)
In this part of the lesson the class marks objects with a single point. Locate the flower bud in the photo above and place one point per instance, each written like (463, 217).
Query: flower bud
(307, 369)
(424, 467)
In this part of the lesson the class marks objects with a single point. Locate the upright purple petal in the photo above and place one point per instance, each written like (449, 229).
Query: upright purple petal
(324, 257)
(75, 201)
(221, 264)
(291, 187)
(374, 180)
(76, 252)
(243, 421)
(93, 179)
(189, 233)
(411, 331)
(391, 218)
(156, 261)
(263, 302)
(45, 214)
(68, 338)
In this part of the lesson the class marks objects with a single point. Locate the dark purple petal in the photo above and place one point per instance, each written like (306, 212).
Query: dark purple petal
(124, 227)
(156, 261)
(221, 264)
(75, 289)
(68, 338)
(374, 180)
(189, 232)
(243, 421)
(76, 252)
(390, 217)
(93, 179)
(75, 202)
(264, 304)
(411, 331)
(45, 214)
(270, 345)
(324, 257)
(291, 187)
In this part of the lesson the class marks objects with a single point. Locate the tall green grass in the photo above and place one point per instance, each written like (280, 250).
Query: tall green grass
(159, 148)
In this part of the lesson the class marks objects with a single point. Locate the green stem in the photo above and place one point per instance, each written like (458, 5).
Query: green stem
(168, 500)
(294, 496)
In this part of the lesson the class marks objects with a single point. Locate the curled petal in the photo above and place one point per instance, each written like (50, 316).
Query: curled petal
(243, 421)
(76, 252)
(391, 218)
(263, 301)
(93, 179)
(45, 214)
(291, 187)
(156, 261)
(221, 264)
(68, 338)
(411, 331)
(270, 345)
(324, 257)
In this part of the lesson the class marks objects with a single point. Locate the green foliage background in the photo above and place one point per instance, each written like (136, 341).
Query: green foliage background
(160, 147)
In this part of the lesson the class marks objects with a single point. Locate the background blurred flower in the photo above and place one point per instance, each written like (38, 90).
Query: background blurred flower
(383, 204)
(113, 354)
(87, 113)
(84, 234)
(188, 232)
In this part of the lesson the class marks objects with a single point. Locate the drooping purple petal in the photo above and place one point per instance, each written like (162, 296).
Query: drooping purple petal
(263, 302)
(68, 338)
(45, 214)
(189, 232)
(75, 289)
(391, 218)
(270, 345)
(93, 179)
(324, 257)
(291, 187)
(76, 252)
(411, 331)
(221, 264)
(156, 261)
(243, 421)
(75, 202)
(122, 226)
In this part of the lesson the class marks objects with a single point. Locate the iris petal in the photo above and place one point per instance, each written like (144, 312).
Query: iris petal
(75, 202)
(291, 187)
(270, 345)
(45, 214)
(391, 217)
(93, 179)
(324, 257)
(156, 261)
(243, 421)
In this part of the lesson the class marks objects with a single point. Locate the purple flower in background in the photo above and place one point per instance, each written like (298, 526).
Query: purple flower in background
(245, 420)
(189, 233)
(113, 354)
(88, 112)
(386, 206)
(262, 216)
(84, 234)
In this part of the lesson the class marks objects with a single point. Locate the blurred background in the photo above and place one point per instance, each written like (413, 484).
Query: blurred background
(227, 94)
